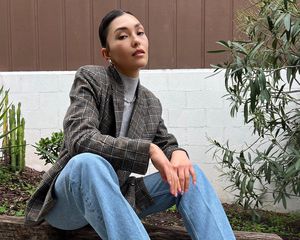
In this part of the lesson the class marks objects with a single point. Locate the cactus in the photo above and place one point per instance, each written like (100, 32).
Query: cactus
(13, 144)
(21, 144)
(5, 142)
(17, 141)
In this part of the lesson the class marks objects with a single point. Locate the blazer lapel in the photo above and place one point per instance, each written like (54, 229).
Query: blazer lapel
(118, 98)
(118, 110)
(137, 124)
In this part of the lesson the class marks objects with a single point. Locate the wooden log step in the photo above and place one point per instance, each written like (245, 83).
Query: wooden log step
(13, 228)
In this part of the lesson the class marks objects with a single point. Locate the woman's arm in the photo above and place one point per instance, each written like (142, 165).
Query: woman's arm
(178, 157)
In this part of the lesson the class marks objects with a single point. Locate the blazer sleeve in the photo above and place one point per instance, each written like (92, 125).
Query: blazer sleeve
(82, 134)
(165, 140)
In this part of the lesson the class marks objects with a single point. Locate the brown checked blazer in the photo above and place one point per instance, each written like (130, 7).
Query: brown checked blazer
(92, 124)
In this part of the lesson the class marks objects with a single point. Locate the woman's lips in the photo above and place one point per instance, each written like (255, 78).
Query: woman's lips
(138, 52)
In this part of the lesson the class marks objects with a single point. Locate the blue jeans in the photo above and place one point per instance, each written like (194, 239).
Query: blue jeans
(88, 192)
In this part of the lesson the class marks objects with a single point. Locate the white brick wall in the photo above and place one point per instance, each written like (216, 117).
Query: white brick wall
(193, 109)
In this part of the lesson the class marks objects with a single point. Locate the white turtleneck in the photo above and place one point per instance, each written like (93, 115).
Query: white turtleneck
(130, 86)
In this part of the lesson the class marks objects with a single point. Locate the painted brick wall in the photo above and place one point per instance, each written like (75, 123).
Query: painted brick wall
(193, 109)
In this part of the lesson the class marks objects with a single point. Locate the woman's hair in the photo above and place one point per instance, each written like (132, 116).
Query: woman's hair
(104, 25)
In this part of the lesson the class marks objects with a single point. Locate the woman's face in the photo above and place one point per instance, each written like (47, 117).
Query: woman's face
(127, 45)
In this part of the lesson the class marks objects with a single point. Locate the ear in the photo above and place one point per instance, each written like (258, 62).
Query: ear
(105, 53)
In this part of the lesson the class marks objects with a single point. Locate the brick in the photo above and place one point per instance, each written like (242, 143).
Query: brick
(215, 82)
(187, 81)
(180, 134)
(238, 136)
(205, 99)
(187, 118)
(28, 101)
(196, 153)
(172, 99)
(65, 81)
(32, 135)
(216, 117)
(11, 82)
(38, 83)
(196, 136)
(154, 80)
(41, 119)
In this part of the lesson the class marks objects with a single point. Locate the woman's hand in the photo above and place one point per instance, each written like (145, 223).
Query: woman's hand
(165, 168)
(184, 169)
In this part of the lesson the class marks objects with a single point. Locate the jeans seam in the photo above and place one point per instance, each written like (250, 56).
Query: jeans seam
(217, 223)
(190, 223)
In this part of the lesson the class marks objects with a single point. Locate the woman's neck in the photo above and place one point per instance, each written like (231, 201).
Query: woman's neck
(130, 74)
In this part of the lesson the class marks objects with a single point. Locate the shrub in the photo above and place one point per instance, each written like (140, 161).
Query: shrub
(48, 148)
(261, 81)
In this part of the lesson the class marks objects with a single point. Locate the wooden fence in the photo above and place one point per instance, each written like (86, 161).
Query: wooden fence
(63, 34)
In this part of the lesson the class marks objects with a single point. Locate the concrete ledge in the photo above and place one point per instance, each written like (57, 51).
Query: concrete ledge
(14, 228)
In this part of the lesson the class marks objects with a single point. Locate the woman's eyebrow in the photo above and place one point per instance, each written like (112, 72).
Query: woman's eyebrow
(126, 28)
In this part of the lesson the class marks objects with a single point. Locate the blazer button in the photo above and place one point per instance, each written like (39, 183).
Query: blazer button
(132, 184)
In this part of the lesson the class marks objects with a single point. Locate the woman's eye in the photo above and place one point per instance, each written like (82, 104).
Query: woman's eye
(122, 37)
(141, 33)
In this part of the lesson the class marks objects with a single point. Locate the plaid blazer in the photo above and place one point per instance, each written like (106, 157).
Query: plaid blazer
(92, 124)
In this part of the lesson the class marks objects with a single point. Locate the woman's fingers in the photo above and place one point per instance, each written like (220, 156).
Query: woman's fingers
(192, 172)
(184, 174)
(173, 181)
(181, 176)
(187, 179)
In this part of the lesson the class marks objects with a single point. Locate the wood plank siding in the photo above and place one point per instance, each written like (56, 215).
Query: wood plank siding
(63, 34)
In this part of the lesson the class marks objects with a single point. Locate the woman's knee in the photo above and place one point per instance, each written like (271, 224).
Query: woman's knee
(87, 164)
(87, 160)
(199, 173)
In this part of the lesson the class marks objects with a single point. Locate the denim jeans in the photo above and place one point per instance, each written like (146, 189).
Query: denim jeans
(88, 192)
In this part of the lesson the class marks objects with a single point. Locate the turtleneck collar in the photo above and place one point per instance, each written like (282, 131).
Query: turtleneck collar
(130, 86)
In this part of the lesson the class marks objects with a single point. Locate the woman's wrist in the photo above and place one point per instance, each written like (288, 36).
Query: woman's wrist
(152, 149)
(179, 153)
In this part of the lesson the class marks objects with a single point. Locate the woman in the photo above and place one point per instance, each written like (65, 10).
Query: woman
(112, 128)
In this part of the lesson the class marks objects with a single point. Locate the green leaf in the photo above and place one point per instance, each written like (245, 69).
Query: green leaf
(265, 95)
(283, 201)
(217, 51)
(254, 50)
(268, 173)
(250, 185)
(287, 22)
(252, 97)
(243, 185)
(288, 74)
(279, 92)
(270, 23)
(274, 43)
(269, 149)
(285, 4)
(246, 112)
(240, 48)
(297, 165)
(223, 43)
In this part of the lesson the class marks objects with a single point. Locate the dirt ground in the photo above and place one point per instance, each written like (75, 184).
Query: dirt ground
(16, 189)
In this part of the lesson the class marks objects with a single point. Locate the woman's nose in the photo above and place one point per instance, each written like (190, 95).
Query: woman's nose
(135, 41)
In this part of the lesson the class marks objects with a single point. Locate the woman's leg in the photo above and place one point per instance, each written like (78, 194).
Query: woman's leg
(200, 208)
(87, 192)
